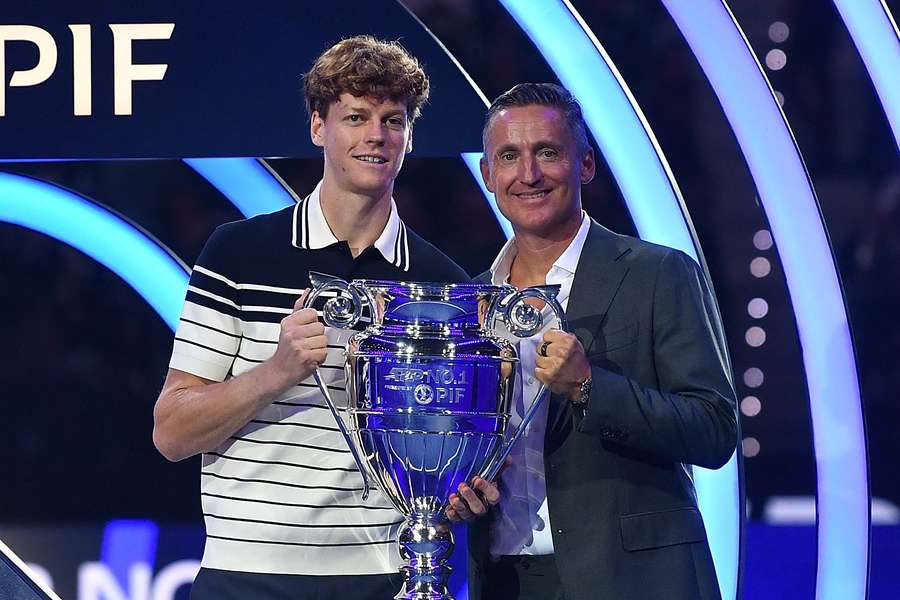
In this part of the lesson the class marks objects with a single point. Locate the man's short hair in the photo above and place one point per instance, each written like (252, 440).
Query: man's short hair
(542, 94)
(366, 66)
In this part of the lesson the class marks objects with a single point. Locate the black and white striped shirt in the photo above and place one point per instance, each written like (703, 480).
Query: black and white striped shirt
(283, 495)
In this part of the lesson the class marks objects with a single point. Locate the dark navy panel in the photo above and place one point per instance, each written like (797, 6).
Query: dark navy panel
(232, 87)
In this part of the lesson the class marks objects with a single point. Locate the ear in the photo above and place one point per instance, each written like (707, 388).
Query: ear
(409, 140)
(588, 166)
(486, 174)
(317, 129)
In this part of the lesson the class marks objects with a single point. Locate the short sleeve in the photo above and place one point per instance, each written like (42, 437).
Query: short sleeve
(208, 334)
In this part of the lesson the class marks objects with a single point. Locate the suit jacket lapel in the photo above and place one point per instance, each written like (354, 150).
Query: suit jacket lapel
(598, 276)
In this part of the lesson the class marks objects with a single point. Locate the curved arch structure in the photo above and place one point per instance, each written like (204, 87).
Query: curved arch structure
(874, 32)
(143, 262)
(792, 208)
(147, 266)
(248, 183)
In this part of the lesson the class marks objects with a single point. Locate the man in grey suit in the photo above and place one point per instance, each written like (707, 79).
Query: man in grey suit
(598, 501)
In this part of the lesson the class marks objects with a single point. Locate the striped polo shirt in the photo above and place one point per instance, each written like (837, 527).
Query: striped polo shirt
(283, 495)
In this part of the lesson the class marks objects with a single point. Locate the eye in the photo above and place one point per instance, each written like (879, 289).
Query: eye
(548, 153)
(507, 156)
(354, 118)
(396, 122)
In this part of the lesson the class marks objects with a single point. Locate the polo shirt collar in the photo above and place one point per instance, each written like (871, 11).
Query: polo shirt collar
(311, 231)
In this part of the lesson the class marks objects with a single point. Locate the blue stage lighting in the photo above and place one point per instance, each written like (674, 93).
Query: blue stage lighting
(126, 542)
(246, 182)
(790, 203)
(875, 34)
(154, 273)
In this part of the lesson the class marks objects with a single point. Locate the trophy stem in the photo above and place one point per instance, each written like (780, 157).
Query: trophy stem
(426, 543)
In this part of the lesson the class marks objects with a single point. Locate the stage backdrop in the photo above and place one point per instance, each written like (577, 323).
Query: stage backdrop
(111, 79)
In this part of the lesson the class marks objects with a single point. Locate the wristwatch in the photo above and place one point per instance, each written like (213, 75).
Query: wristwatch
(584, 392)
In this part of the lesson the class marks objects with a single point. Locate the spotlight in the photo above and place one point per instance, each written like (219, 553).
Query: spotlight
(757, 308)
(755, 337)
(753, 377)
(760, 267)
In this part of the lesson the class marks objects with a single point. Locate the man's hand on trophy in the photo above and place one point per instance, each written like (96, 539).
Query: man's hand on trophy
(562, 364)
(301, 344)
(469, 503)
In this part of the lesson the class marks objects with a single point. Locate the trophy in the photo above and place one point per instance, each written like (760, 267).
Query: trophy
(429, 385)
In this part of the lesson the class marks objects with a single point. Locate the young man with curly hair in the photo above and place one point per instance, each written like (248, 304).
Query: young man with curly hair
(280, 491)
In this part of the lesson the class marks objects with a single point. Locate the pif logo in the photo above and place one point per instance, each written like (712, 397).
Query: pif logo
(424, 393)
(125, 72)
(434, 384)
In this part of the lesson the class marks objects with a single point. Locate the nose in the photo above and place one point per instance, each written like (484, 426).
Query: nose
(376, 132)
(530, 170)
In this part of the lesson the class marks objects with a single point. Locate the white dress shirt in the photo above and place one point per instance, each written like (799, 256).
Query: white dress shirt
(523, 524)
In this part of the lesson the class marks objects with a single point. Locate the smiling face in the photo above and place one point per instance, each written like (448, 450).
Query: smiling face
(365, 141)
(533, 166)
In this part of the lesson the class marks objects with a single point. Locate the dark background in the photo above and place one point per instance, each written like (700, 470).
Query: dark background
(84, 356)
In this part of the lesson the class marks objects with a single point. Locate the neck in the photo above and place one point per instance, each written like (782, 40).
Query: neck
(354, 217)
(536, 252)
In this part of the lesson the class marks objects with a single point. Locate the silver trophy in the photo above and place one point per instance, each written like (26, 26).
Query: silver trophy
(429, 384)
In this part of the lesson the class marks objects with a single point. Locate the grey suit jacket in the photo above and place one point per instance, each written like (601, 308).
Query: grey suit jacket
(619, 489)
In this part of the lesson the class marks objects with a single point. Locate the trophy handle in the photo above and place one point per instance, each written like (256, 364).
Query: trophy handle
(524, 320)
(341, 312)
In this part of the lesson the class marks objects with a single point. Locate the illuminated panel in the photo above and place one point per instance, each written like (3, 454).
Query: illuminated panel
(154, 273)
(653, 199)
(875, 34)
(246, 182)
(128, 542)
(792, 209)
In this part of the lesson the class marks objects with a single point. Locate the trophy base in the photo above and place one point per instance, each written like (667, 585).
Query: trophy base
(424, 595)
(425, 591)
(426, 543)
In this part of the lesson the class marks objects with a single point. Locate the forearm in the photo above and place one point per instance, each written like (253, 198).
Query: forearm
(694, 425)
(194, 415)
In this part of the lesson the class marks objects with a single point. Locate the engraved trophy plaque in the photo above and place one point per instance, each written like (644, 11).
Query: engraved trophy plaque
(429, 384)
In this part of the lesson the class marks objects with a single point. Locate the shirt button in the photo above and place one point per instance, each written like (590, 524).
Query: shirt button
(530, 381)
(559, 531)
